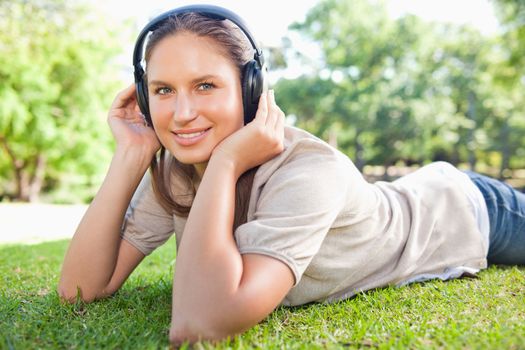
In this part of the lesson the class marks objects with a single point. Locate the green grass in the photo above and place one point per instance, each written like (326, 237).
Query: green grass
(483, 313)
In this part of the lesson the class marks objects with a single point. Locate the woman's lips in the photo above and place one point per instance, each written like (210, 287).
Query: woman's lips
(189, 137)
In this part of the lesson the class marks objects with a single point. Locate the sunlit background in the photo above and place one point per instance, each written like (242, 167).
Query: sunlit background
(394, 84)
(269, 21)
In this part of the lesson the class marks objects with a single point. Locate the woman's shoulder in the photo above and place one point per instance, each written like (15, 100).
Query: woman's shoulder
(293, 135)
(306, 154)
(298, 141)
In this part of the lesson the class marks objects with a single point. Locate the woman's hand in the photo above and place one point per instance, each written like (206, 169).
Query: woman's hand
(128, 124)
(258, 141)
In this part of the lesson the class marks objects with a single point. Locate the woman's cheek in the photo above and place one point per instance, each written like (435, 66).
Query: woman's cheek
(159, 114)
(227, 108)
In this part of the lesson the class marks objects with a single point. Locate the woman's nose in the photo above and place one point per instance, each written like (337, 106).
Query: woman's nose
(183, 109)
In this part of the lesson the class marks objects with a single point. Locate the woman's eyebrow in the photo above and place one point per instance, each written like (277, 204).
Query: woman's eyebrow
(204, 78)
(193, 81)
(157, 82)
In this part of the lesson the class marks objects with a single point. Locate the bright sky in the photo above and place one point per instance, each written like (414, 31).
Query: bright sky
(478, 13)
(269, 19)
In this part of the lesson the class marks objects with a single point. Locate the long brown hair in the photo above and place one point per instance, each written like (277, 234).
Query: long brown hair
(166, 169)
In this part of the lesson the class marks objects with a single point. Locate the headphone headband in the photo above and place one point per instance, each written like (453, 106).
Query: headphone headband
(211, 11)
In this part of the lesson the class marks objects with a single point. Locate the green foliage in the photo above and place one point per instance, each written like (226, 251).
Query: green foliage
(512, 16)
(405, 90)
(482, 313)
(57, 76)
(371, 63)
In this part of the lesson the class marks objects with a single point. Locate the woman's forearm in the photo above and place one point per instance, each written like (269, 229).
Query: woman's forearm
(91, 258)
(215, 288)
(209, 267)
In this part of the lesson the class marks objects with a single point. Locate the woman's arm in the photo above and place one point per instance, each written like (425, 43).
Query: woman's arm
(98, 261)
(91, 260)
(217, 292)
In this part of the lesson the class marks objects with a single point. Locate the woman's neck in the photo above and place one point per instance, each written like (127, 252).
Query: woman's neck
(199, 173)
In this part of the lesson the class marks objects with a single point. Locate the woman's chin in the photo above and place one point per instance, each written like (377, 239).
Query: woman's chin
(191, 159)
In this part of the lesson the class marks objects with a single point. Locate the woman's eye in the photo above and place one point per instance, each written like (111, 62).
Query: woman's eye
(206, 86)
(162, 90)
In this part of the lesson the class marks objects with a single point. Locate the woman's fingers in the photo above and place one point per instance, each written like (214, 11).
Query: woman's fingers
(260, 140)
(279, 124)
(262, 109)
(275, 118)
(275, 115)
(125, 106)
(268, 112)
(124, 97)
(270, 115)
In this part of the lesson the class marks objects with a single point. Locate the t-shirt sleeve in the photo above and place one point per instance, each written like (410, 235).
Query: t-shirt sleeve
(295, 209)
(147, 225)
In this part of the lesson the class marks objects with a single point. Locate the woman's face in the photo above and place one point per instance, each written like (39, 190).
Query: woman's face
(195, 96)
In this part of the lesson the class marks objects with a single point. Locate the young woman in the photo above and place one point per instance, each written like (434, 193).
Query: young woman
(264, 214)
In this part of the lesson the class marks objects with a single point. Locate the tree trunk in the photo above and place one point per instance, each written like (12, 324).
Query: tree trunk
(386, 166)
(18, 166)
(22, 184)
(37, 180)
(28, 186)
(359, 160)
(471, 114)
(505, 149)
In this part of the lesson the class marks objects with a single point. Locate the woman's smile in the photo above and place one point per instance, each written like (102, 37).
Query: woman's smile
(191, 136)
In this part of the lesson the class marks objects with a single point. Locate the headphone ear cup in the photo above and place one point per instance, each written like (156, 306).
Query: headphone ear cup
(142, 99)
(252, 88)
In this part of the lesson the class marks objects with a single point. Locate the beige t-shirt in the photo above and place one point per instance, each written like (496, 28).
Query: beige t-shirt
(311, 209)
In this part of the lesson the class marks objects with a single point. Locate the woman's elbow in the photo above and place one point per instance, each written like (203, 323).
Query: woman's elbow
(180, 335)
(182, 332)
(72, 293)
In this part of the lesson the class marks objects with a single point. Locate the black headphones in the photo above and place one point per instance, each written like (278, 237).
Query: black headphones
(253, 75)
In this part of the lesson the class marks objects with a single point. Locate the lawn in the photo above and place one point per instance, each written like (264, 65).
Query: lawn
(482, 313)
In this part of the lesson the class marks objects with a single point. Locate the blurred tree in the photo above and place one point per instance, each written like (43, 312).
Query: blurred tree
(57, 77)
(308, 98)
(506, 99)
(367, 59)
(459, 67)
(512, 17)
(403, 90)
(504, 93)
